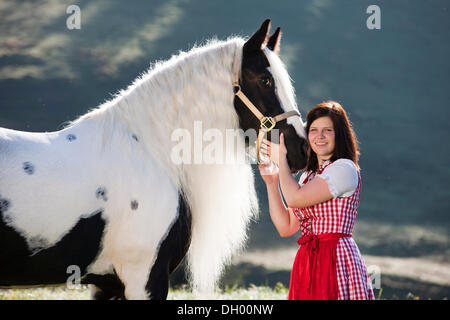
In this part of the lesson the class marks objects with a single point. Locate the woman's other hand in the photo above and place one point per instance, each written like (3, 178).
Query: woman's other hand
(268, 178)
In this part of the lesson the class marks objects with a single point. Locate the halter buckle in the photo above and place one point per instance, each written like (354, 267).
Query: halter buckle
(236, 88)
(265, 120)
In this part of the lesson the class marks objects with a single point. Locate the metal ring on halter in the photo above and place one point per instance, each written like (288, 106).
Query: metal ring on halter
(265, 120)
(264, 129)
(236, 88)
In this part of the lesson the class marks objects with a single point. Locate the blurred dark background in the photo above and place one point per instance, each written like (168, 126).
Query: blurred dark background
(393, 82)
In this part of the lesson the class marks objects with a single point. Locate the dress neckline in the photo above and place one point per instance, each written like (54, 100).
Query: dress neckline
(323, 166)
(319, 171)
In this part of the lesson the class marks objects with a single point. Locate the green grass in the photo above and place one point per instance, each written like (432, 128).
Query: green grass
(253, 292)
(45, 293)
(279, 292)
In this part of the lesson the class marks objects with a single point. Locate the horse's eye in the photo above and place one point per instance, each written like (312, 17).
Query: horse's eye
(266, 81)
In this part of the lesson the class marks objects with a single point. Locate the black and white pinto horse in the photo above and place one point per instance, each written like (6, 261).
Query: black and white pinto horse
(104, 195)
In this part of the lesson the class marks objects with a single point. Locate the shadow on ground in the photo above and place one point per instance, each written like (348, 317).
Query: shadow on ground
(393, 287)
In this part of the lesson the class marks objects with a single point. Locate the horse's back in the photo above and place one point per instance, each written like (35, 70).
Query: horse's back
(44, 180)
(43, 225)
(66, 199)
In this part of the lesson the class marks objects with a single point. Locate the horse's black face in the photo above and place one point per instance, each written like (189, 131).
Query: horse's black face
(258, 84)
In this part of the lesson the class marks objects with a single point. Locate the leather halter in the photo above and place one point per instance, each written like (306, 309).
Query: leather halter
(267, 123)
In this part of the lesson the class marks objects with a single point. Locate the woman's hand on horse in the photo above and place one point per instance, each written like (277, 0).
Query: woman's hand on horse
(274, 151)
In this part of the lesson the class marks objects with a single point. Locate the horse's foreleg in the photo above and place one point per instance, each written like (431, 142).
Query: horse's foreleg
(171, 252)
(158, 283)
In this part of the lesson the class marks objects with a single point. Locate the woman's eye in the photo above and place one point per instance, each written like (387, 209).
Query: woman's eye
(266, 81)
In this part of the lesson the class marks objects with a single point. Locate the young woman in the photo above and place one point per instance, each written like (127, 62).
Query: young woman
(324, 206)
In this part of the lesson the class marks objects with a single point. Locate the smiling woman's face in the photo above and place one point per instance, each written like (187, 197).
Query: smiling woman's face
(321, 137)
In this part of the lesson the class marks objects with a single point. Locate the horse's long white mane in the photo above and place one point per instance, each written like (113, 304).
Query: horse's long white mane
(192, 86)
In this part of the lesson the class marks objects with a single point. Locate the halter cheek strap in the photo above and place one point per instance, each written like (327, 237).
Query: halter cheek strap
(266, 123)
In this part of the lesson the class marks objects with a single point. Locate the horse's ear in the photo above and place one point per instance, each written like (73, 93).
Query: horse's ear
(274, 41)
(259, 40)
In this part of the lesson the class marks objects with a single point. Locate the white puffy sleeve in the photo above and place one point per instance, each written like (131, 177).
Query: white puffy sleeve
(342, 177)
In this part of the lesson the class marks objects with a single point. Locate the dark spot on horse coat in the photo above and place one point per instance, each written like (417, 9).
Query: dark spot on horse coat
(4, 205)
(135, 137)
(19, 265)
(171, 252)
(28, 168)
(101, 193)
(71, 137)
(134, 205)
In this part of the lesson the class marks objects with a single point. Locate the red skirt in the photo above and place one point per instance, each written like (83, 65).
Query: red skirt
(314, 275)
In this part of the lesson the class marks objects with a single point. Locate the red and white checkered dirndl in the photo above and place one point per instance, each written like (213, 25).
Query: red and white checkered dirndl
(335, 217)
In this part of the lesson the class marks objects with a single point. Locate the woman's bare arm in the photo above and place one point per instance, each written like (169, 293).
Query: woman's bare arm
(314, 192)
(283, 218)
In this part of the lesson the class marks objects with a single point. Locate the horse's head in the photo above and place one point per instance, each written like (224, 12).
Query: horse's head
(264, 80)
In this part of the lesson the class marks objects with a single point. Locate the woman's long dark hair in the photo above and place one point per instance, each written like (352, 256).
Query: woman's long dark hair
(346, 143)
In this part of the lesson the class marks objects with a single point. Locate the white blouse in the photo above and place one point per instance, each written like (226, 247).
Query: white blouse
(341, 177)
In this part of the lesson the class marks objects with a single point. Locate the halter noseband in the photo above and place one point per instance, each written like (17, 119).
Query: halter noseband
(264, 128)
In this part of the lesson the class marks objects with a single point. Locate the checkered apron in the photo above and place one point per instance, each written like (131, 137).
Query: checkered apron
(330, 260)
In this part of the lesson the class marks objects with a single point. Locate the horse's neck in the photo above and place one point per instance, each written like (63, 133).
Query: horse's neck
(221, 196)
(187, 92)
